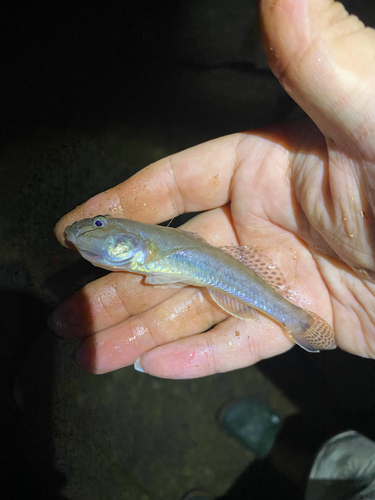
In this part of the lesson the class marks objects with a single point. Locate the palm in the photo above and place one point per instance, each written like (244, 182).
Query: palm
(303, 196)
(315, 232)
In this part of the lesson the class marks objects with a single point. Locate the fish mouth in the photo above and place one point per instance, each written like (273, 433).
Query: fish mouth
(73, 242)
(88, 254)
(70, 238)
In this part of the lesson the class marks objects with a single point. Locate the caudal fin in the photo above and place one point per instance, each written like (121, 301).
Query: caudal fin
(317, 336)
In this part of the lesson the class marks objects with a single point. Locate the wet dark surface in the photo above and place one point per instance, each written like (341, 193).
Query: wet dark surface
(91, 94)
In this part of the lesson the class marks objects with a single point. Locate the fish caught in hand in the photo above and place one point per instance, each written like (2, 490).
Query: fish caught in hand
(173, 258)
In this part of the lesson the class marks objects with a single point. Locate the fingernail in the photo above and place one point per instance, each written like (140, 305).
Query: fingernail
(50, 322)
(137, 365)
(65, 323)
(54, 323)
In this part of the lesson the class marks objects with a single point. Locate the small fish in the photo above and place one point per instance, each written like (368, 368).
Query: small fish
(171, 257)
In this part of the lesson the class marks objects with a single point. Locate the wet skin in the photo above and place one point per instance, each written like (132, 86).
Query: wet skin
(301, 191)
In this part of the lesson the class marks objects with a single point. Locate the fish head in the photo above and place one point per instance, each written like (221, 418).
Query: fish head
(103, 242)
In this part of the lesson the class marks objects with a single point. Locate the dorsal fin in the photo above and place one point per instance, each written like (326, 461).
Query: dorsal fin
(258, 262)
(196, 236)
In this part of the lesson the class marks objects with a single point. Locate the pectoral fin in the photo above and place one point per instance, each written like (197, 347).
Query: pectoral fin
(234, 307)
(154, 254)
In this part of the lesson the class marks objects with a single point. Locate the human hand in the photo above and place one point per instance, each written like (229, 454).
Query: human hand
(303, 192)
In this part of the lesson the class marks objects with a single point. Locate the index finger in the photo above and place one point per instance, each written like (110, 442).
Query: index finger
(190, 181)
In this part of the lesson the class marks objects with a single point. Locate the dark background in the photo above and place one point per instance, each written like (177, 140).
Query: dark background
(91, 93)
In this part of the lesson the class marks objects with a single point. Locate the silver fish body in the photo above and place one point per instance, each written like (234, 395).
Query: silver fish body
(173, 257)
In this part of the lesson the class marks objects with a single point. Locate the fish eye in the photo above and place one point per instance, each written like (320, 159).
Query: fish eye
(99, 221)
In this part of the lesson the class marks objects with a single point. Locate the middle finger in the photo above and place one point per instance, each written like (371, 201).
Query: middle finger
(185, 313)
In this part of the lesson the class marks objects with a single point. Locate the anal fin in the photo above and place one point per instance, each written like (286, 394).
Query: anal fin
(234, 307)
(164, 280)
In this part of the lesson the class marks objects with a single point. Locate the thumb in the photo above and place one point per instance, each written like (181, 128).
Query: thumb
(325, 59)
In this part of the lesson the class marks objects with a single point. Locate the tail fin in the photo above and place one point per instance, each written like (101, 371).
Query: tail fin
(318, 335)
